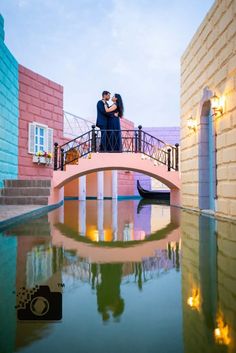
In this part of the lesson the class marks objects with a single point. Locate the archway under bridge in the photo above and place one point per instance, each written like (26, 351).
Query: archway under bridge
(115, 161)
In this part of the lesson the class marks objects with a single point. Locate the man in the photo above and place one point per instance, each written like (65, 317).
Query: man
(102, 119)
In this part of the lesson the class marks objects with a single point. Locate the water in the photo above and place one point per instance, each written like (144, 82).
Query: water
(133, 277)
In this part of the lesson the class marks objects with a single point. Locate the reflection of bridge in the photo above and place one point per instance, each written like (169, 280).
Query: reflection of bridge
(141, 152)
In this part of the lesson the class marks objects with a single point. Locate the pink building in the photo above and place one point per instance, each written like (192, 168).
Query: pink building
(40, 122)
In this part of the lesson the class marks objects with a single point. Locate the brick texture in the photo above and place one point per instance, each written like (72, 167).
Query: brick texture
(210, 61)
(9, 111)
(41, 101)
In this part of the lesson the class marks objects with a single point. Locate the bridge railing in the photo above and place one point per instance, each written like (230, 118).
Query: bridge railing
(116, 141)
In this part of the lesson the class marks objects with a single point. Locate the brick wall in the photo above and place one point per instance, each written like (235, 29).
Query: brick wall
(9, 111)
(41, 101)
(209, 63)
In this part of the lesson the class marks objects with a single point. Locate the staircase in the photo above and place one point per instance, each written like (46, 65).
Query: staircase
(25, 192)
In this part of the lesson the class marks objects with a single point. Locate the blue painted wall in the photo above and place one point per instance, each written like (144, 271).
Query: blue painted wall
(9, 111)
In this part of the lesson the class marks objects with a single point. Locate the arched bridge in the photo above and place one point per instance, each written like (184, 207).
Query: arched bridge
(134, 150)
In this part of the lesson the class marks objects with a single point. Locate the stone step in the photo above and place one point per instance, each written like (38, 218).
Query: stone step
(12, 183)
(25, 191)
(21, 200)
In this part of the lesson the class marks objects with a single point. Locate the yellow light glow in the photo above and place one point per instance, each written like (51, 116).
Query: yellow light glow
(221, 333)
(191, 123)
(194, 300)
(92, 233)
(217, 104)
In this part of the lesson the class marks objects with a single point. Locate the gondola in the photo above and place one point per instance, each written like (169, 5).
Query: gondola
(157, 195)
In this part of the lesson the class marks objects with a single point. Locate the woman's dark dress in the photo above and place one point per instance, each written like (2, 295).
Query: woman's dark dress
(115, 136)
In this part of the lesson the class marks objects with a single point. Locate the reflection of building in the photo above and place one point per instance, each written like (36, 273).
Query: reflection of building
(8, 271)
(208, 292)
(27, 258)
(109, 220)
(208, 130)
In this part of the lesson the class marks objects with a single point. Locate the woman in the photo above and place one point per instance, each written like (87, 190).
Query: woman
(117, 108)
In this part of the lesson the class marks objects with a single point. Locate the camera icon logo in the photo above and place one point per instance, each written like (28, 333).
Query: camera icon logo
(39, 303)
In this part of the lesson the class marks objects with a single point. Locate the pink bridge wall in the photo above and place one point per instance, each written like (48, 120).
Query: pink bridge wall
(125, 178)
(40, 100)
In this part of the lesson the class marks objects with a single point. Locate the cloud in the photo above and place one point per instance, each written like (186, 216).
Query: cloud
(127, 46)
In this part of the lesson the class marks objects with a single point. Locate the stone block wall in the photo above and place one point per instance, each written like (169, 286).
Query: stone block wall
(209, 64)
(9, 111)
(40, 101)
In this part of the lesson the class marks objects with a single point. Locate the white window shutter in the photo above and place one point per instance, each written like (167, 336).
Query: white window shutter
(31, 138)
(50, 140)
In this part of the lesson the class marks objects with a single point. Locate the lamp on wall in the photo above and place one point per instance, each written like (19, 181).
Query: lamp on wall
(217, 104)
(191, 123)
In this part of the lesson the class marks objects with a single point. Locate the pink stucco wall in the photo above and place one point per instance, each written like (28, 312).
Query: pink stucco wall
(41, 101)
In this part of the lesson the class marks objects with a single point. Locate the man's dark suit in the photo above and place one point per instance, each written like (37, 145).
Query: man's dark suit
(102, 123)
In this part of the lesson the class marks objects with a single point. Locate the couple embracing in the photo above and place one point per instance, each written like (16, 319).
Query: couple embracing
(108, 120)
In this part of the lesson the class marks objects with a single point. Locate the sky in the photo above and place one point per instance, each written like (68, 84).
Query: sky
(131, 47)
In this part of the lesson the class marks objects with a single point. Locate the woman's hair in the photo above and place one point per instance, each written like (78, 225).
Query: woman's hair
(119, 104)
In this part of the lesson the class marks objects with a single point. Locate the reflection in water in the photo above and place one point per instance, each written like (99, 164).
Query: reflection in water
(135, 289)
(112, 220)
(108, 279)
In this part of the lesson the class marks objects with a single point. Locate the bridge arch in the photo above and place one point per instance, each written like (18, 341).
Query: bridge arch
(118, 161)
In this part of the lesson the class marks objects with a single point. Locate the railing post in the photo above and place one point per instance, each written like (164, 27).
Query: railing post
(176, 156)
(93, 142)
(55, 155)
(140, 138)
(62, 158)
(135, 142)
(169, 161)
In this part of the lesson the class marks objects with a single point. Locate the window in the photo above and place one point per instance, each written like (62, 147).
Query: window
(40, 138)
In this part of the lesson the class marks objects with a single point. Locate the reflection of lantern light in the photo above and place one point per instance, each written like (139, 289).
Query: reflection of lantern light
(94, 235)
(194, 300)
(221, 333)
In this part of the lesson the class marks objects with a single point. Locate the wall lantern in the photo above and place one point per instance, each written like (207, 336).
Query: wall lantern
(191, 123)
(217, 104)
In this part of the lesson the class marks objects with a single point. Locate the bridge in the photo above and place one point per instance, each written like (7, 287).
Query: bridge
(99, 150)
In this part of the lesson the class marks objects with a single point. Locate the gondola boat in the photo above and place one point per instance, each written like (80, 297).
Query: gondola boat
(157, 194)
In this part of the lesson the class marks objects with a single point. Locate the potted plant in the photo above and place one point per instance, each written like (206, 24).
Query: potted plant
(42, 157)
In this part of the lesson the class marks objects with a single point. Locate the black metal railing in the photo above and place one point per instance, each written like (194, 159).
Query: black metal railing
(116, 141)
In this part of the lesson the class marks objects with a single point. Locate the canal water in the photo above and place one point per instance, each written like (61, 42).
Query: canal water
(118, 276)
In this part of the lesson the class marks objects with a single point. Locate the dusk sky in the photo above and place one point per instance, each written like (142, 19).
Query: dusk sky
(131, 47)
